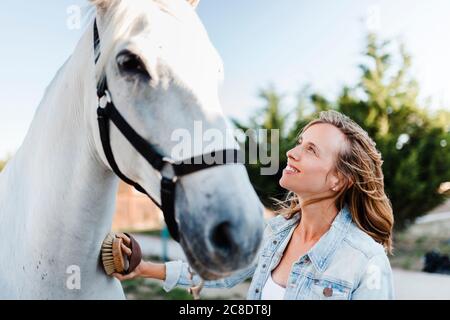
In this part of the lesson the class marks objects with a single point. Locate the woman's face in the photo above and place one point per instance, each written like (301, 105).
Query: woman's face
(311, 160)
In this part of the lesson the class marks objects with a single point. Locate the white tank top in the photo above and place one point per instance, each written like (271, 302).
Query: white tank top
(272, 290)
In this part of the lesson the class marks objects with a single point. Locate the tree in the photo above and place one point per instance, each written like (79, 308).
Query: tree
(269, 117)
(414, 142)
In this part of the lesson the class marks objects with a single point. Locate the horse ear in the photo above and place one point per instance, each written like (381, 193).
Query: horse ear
(102, 4)
(193, 3)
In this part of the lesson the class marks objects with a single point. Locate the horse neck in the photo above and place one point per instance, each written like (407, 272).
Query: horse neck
(70, 193)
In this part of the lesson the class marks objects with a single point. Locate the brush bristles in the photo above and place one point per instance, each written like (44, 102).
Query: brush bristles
(112, 258)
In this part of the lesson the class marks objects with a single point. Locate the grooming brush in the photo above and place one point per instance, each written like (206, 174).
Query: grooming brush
(114, 259)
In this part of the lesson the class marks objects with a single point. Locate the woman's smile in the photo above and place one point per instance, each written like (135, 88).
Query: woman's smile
(290, 170)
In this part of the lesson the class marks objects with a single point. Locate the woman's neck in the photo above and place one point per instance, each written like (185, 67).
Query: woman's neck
(316, 220)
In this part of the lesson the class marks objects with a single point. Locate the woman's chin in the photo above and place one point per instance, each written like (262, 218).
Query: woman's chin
(284, 183)
(289, 184)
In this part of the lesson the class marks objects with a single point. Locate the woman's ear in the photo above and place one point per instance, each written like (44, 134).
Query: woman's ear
(350, 182)
(338, 181)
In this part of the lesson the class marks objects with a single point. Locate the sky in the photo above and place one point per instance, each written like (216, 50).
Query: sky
(284, 43)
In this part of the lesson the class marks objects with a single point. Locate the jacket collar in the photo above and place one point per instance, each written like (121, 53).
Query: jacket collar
(323, 251)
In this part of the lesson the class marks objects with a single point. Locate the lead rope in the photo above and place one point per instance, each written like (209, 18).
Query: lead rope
(196, 289)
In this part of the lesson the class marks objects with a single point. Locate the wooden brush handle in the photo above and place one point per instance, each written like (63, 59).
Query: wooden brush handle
(136, 254)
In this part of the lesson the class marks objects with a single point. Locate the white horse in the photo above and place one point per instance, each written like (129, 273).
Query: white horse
(57, 195)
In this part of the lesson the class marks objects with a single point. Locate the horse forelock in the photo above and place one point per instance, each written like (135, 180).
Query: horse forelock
(125, 18)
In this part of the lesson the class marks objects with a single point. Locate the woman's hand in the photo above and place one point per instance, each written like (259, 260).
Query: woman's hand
(144, 269)
(140, 271)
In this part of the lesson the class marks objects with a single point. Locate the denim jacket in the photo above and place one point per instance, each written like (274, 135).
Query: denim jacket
(346, 263)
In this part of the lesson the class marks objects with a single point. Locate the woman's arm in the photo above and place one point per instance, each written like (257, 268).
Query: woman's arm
(178, 273)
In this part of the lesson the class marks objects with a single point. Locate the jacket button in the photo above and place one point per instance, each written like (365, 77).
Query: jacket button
(264, 265)
(257, 290)
(328, 292)
(275, 241)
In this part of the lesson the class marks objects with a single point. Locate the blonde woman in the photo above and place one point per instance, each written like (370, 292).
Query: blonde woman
(335, 229)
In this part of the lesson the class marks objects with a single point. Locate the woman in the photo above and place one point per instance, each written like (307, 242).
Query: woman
(335, 229)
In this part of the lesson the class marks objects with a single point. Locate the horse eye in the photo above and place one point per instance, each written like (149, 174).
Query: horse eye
(130, 63)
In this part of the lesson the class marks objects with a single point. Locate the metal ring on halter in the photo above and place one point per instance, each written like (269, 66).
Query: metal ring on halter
(171, 162)
(104, 100)
(160, 176)
(168, 160)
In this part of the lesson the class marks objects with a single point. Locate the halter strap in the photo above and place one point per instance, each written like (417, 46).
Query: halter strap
(107, 112)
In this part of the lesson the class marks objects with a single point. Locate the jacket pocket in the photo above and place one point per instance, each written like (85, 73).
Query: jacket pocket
(326, 289)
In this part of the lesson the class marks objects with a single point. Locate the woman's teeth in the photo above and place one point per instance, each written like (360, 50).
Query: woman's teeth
(291, 169)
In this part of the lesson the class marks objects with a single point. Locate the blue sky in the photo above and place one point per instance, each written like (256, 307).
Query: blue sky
(288, 43)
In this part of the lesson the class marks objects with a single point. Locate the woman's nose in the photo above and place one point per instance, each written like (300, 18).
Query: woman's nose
(292, 154)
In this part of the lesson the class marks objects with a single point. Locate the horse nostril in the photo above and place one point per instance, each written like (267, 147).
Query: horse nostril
(221, 237)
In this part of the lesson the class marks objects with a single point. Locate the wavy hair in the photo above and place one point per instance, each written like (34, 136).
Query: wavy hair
(359, 163)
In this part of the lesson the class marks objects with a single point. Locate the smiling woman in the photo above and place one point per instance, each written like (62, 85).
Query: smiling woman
(344, 160)
(336, 212)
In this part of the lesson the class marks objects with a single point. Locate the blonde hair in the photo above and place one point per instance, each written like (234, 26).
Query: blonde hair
(359, 163)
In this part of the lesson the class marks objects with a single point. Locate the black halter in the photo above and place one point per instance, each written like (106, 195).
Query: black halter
(106, 111)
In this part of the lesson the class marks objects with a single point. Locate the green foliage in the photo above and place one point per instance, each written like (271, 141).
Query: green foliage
(142, 289)
(270, 117)
(414, 142)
